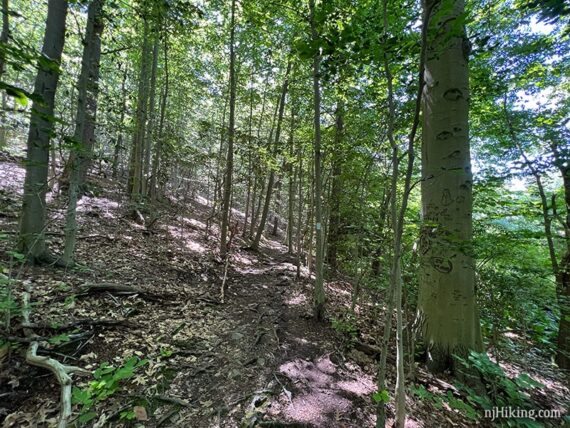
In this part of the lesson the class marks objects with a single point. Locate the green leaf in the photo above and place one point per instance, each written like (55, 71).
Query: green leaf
(59, 339)
(381, 396)
(86, 417)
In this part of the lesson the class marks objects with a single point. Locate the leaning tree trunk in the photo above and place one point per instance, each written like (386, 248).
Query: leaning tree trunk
(271, 180)
(88, 89)
(33, 222)
(319, 292)
(446, 301)
(226, 207)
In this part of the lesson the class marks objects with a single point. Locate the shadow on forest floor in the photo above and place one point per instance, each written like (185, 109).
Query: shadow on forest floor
(255, 358)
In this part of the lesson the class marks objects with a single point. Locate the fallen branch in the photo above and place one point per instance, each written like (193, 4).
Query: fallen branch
(123, 290)
(172, 400)
(61, 371)
(78, 323)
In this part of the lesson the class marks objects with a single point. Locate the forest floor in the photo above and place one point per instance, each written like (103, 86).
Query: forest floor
(153, 291)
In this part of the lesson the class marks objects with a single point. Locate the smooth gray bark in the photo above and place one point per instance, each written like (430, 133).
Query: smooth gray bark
(446, 300)
(33, 221)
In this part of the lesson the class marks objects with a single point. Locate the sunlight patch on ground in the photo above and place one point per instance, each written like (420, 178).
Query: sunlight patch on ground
(12, 177)
(340, 287)
(317, 407)
(203, 201)
(252, 271)
(297, 299)
(242, 259)
(192, 222)
(361, 387)
(324, 387)
(104, 205)
(182, 235)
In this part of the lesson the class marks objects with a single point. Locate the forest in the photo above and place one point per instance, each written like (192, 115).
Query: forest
(277, 213)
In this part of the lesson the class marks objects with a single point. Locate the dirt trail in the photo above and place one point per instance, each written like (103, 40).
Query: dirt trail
(256, 357)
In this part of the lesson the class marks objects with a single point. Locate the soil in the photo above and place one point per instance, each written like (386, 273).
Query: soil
(255, 359)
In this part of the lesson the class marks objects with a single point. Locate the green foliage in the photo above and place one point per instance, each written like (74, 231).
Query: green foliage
(500, 390)
(107, 381)
(345, 326)
(438, 400)
(381, 397)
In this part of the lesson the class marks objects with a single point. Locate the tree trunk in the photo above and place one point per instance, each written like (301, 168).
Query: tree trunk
(119, 142)
(279, 186)
(446, 301)
(226, 210)
(299, 208)
(562, 161)
(5, 35)
(292, 175)
(33, 222)
(270, 181)
(3, 128)
(88, 89)
(336, 191)
(158, 147)
(150, 126)
(135, 169)
(249, 156)
(319, 292)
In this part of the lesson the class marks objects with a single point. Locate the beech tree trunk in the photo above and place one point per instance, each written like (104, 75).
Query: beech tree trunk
(88, 89)
(446, 301)
(33, 221)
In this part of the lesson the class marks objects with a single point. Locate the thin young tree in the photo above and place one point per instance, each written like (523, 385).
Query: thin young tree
(319, 291)
(271, 179)
(4, 37)
(226, 202)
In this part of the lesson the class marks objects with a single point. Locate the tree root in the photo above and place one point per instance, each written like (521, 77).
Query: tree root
(61, 371)
(62, 374)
